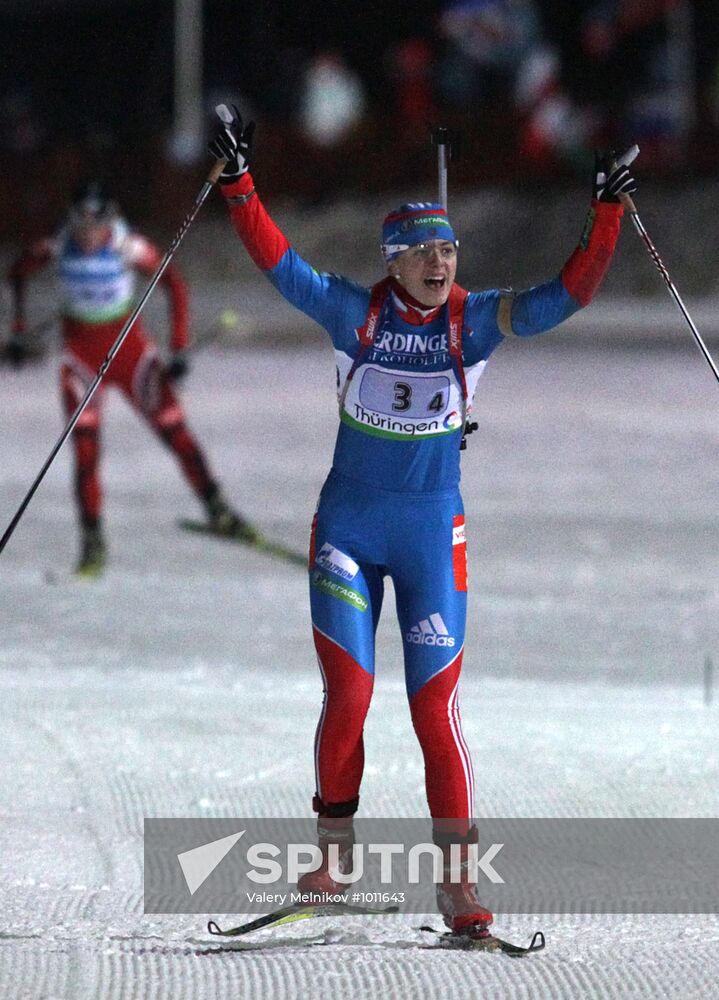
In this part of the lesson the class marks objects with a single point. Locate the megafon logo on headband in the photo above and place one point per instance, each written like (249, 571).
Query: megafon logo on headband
(424, 220)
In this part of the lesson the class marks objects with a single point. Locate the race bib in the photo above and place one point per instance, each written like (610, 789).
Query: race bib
(396, 404)
(95, 287)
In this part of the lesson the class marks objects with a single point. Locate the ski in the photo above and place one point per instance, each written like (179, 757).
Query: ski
(464, 942)
(448, 940)
(55, 577)
(299, 911)
(254, 540)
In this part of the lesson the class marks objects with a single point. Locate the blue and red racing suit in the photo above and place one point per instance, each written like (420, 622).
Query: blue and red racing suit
(391, 504)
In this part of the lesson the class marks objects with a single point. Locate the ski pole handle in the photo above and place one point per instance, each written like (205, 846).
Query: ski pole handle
(226, 117)
(214, 175)
(624, 161)
(628, 202)
(224, 114)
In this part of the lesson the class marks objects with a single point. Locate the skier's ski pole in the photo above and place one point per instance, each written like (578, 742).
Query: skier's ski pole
(631, 208)
(189, 219)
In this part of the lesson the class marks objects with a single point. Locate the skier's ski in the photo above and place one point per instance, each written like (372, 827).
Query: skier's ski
(299, 911)
(465, 942)
(253, 540)
(55, 576)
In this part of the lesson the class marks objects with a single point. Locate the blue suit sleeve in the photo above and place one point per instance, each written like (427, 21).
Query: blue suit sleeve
(482, 335)
(337, 304)
(541, 308)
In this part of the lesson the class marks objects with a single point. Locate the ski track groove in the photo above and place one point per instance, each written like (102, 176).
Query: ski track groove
(85, 819)
(284, 966)
(135, 969)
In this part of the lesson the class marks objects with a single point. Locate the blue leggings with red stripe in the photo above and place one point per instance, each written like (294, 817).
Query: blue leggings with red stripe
(360, 535)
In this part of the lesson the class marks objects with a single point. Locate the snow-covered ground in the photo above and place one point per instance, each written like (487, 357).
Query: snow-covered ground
(184, 682)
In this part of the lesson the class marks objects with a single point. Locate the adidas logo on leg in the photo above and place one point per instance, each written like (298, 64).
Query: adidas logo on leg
(431, 631)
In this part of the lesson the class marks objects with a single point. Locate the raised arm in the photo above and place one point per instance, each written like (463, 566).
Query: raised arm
(544, 306)
(332, 301)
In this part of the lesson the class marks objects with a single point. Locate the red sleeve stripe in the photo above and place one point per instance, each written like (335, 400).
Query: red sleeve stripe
(585, 270)
(265, 243)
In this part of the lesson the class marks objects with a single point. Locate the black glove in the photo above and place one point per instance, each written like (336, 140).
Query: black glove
(178, 366)
(15, 352)
(612, 176)
(234, 144)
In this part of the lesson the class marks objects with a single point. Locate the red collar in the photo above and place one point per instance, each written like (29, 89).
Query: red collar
(410, 309)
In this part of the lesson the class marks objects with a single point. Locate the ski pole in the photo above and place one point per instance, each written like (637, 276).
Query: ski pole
(628, 202)
(212, 178)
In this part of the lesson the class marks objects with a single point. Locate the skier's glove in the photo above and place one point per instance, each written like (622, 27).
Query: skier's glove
(178, 366)
(234, 144)
(612, 176)
(15, 352)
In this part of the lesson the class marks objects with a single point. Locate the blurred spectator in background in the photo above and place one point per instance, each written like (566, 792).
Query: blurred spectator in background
(487, 43)
(496, 52)
(551, 129)
(333, 100)
(630, 65)
(533, 85)
(332, 106)
(410, 68)
(410, 110)
(640, 44)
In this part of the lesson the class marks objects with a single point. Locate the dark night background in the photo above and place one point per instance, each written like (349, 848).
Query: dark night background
(89, 87)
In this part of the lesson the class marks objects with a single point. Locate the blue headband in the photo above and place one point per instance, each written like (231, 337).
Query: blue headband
(414, 223)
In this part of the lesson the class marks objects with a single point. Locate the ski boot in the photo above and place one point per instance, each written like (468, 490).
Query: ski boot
(223, 520)
(93, 553)
(335, 839)
(457, 898)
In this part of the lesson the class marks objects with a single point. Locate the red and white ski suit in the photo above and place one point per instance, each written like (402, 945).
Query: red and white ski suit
(96, 290)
